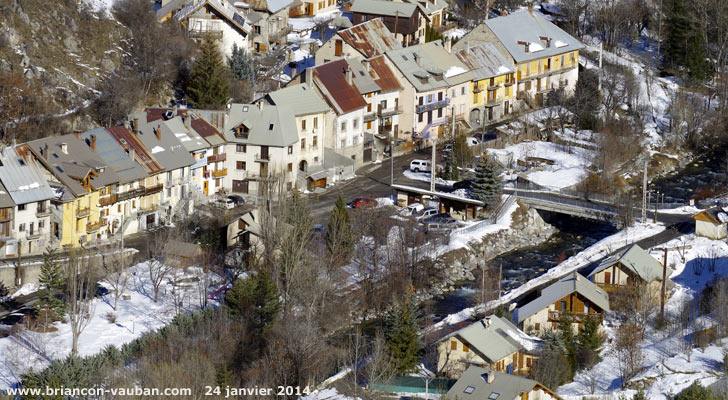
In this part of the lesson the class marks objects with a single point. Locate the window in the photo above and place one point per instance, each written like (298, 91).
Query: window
(169, 176)
(429, 98)
(315, 122)
(421, 99)
(240, 165)
(469, 389)
(303, 144)
(41, 223)
(462, 91)
(537, 326)
(355, 140)
(563, 306)
(465, 348)
(453, 345)
(452, 93)
(562, 59)
(241, 148)
(314, 142)
(439, 96)
(290, 167)
(343, 126)
(21, 227)
(118, 208)
(493, 396)
(21, 207)
(290, 149)
(315, 159)
(133, 204)
(169, 192)
(439, 113)
(528, 361)
(355, 123)
(343, 143)
(303, 124)
(241, 224)
(420, 117)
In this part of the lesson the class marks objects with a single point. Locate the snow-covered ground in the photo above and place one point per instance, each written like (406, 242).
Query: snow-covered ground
(425, 176)
(569, 167)
(666, 367)
(102, 7)
(135, 316)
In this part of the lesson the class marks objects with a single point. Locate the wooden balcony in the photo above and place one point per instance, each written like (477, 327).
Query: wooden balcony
(199, 34)
(370, 116)
(576, 317)
(216, 158)
(610, 287)
(219, 173)
(95, 226)
(385, 129)
(34, 234)
(265, 157)
(153, 189)
(108, 200)
(83, 212)
(5, 214)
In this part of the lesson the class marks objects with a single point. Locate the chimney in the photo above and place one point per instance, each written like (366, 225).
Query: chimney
(367, 66)
(187, 120)
(92, 142)
(308, 77)
(418, 59)
(77, 134)
(44, 151)
(131, 153)
(530, 7)
(347, 74)
(158, 132)
(260, 105)
(64, 148)
(135, 126)
(525, 44)
(488, 377)
(448, 45)
(546, 40)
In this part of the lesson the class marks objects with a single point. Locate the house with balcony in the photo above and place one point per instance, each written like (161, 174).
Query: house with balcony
(160, 140)
(25, 211)
(269, 21)
(544, 56)
(434, 10)
(493, 342)
(366, 40)
(334, 81)
(493, 86)
(312, 114)
(629, 267)
(478, 383)
(79, 177)
(406, 21)
(261, 143)
(217, 18)
(434, 81)
(312, 8)
(573, 296)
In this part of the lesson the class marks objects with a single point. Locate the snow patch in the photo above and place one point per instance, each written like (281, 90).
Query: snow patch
(454, 70)
(559, 43)
(157, 149)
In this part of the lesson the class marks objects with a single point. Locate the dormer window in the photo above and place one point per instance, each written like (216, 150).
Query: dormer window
(270, 127)
(242, 131)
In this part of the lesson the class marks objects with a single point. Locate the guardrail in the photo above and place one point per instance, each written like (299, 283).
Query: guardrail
(497, 214)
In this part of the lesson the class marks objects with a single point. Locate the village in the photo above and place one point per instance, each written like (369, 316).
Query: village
(373, 199)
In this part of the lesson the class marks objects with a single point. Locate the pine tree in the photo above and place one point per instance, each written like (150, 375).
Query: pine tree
(403, 342)
(696, 392)
(256, 301)
(450, 171)
(487, 185)
(462, 153)
(339, 235)
(241, 65)
(208, 87)
(50, 306)
(684, 46)
(223, 376)
(566, 331)
(589, 336)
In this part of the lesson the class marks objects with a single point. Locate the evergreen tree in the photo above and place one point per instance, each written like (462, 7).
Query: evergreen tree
(223, 376)
(403, 343)
(568, 338)
(241, 64)
(450, 171)
(461, 151)
(640, 395)
(339, 235)
(50, 307)
(208, 86)
(684, 46)
(589, 336)
(487, 185)
(256, 301)
(696, 392)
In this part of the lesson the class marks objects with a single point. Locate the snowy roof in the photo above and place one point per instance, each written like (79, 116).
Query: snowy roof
(222, 7)
(159, 138)
(715, 215)
(388, 8)
(474, 385)
(527, 26)
(269, 125)
(635, 259)
(492, 337)
(424, 66)
(485, 61)
(572, 283)
(301, 99)
(22, 179)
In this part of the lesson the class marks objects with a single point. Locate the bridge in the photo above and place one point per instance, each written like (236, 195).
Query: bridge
(566, 203)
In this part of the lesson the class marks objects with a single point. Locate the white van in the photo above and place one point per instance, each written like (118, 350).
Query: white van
(420, 166)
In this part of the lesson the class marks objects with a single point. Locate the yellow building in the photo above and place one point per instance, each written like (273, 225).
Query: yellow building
(79, 178)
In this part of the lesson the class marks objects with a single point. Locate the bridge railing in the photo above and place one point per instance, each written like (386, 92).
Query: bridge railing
(497, 214)
(532, 187)
(561, 200)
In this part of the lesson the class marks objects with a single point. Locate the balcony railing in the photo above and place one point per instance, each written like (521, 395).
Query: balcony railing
(153, 189)
(83, 212)
(385, 129)
(108, 200)
(200, 33)
(216, 158)
(390, 111)
(219, 173)
(433, 106)
(34, 234)
(370, 116)
(575, 317)
(278, 34)
(262, 157)
(95, 226)
(5, 214)
(609, 287)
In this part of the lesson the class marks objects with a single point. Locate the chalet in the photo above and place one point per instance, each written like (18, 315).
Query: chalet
(631, 265)
(312, 8)
(712, 223)
(493, 342)
(405, 20)
(217, 18)
(435, 10)
(368, 39)
(545, 57)
(269, 20)
(573, 294)
(479, 383)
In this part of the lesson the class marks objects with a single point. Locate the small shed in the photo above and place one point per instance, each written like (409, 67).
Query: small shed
(463, 208)
(712, 223)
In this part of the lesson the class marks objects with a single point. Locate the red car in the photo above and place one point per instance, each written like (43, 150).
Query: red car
(362, 202)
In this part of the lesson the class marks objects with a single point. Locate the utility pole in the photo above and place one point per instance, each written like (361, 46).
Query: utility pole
(500, 278)
(18, 268)
(657, 199)
(644, 195)
(433, 166)
(391, 164)
(662, 292)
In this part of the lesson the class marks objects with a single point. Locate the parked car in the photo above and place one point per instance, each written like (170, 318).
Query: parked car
(237, 200)
(362, 202)
(420, 166)
(425, 213)
(444, 226)
(225, 203)
(411, 209)
(439, 218)
(485, 137)
(464, 184)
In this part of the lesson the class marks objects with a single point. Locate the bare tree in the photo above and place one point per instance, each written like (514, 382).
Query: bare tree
(628, 351)
(114, 266)
(159, 265)
(81, 275)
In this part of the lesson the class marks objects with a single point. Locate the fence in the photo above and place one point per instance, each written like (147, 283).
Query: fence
(497, 214)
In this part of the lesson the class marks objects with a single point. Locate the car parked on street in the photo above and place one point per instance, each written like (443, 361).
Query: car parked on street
(425, 213)
(411, 210)
(440, 223)
(225, 203)
(237, 200)
(362, 202)
(420, 166)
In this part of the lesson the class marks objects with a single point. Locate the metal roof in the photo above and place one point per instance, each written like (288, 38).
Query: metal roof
(383, 75)
(502, 386)
(271, 6)
(340, 94)
(301, 99)
(269, 125)
(574, 282)
(195, 125)
(77, 163)
(431, 6)
(379, 7)
(530, 28)
(715, 215)
(492, 337)
(426, 66)
(485, 61)
(130, 143)
(635, 259)
(165, 146)
(22, 179)
(5, 199)
(115, 157)
(222, 7)
(370, 38)
(362, 78)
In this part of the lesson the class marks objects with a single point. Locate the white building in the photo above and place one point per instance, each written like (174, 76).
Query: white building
(217, 18)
